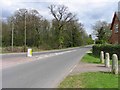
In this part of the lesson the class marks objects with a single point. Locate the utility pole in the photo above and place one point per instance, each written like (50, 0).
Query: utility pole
(25, 34)
(12, 34)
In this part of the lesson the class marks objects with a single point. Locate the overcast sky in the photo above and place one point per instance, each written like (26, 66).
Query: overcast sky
(88, 12)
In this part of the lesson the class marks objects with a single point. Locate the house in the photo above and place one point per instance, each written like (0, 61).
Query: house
(115, 28)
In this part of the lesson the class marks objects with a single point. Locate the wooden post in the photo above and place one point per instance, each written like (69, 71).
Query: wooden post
(12, 34)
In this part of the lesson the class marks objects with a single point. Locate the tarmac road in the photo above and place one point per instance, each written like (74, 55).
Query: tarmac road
(44, 73)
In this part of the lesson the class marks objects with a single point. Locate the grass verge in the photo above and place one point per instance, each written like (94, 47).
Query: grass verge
(18, 49)
(89, 58)
(91, 80)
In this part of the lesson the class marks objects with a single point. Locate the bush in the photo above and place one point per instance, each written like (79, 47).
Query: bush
(107, 48)
(90, 41)
(100, 42)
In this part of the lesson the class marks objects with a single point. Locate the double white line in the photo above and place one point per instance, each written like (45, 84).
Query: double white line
(53, 54)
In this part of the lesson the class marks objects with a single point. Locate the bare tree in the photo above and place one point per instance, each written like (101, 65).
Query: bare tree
(61, 16)
(102, 30)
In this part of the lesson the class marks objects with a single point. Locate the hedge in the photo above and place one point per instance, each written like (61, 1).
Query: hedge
(107, 48)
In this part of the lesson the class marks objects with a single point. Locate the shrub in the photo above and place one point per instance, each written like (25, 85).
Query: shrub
(90, 41)
(107, 48)
(100, 42)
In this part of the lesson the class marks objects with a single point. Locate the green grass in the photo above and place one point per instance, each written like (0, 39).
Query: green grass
(91, 80)
(89, 58)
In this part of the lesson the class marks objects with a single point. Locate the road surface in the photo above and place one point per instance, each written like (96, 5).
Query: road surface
(43, 73)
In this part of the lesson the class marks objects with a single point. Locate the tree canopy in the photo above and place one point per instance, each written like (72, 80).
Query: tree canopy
(63, 31)
(102, 31)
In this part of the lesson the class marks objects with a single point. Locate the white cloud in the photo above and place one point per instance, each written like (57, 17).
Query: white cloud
(88, 12)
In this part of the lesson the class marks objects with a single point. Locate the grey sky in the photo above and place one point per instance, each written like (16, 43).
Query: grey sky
(88, 12)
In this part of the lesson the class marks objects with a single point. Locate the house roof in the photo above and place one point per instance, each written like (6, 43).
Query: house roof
(116, 14)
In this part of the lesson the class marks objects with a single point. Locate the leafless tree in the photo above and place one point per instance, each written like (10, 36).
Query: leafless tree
(61, 16)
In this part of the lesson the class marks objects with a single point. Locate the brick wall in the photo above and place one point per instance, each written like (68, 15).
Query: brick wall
(119, 34)
(119, 26)
(115, 38)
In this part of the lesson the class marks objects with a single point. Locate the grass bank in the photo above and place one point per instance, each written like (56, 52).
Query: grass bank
(17, 49)
(91, 80)
(90, 58)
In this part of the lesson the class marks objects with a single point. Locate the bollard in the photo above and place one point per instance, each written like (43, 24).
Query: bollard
(29, 53)
(107, 60)
(114, 64)
(101, 57)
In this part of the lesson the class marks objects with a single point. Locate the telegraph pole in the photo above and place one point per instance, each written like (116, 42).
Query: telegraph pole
(25, 34)
(12, 34)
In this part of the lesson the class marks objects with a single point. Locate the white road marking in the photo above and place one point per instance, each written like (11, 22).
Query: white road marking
(53, 54)
(73, 68)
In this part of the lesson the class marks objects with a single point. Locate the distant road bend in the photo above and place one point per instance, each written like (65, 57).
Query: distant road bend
(43, 73)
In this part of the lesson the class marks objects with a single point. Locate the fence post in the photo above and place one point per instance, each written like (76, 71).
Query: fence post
(114, 64)
(107, 60)
(101, 57)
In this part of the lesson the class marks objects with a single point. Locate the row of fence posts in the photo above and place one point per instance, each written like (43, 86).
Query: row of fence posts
(106, 61)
